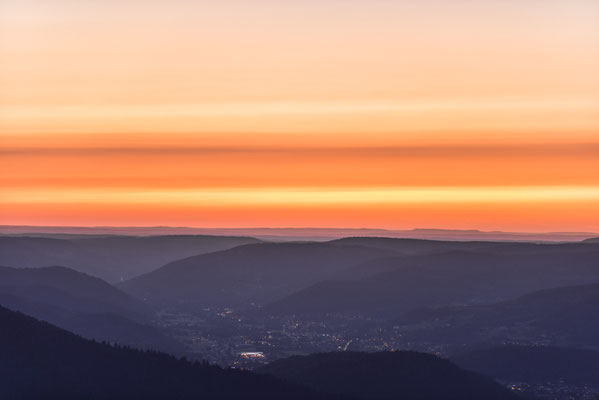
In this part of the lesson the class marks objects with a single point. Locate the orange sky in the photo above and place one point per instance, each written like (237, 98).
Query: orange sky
(330, 113)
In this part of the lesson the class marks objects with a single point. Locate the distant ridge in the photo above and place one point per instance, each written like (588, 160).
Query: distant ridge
(110, 257)
(302, 233)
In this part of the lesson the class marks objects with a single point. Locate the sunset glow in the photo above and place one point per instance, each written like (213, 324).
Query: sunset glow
(391, 114)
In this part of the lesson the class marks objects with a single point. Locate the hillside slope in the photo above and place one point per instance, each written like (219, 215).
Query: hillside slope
(536, 364)
(41, 361)
(251, 273)
(83, 304)
(565, 316)
(386, 375)
(112, 258)
(451, 278)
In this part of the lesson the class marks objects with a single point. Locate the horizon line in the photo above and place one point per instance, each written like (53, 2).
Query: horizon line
(292, 228)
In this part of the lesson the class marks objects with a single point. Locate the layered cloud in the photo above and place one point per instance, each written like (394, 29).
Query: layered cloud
(394, 114)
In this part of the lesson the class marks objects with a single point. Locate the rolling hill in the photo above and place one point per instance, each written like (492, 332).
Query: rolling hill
(450, 278)
(564, 316)
(421, 252)
(83, 304)
(112, 258)
(250, 273)
(423, 246)
(67, 288)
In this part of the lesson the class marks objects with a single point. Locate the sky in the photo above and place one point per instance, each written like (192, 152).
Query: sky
(398, 114)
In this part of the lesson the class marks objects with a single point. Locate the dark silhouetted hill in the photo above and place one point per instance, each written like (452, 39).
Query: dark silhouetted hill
(41, 361)
(386, 375)
(113, 258)
(534, 364)
(251, 273)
